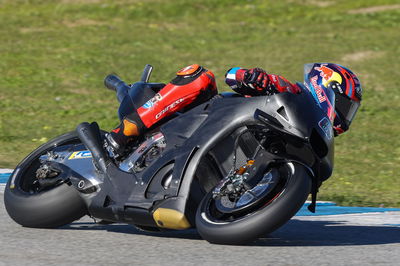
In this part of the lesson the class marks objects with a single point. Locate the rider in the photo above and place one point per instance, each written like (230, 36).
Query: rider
(194, 85)
(327, 82)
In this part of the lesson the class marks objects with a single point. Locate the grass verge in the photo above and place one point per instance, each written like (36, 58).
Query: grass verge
(55, 54)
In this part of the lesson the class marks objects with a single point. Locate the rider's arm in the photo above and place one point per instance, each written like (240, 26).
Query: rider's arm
(255, 81)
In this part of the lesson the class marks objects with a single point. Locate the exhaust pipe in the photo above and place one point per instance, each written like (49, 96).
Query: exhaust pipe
(90, 136)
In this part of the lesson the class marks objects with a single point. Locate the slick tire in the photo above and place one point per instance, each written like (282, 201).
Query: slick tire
(261, 221)
(47, 209)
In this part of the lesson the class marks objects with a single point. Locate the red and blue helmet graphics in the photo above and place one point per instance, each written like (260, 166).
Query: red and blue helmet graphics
(336, 90)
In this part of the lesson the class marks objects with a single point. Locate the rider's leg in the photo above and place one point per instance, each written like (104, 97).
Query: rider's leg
(139, 112)
(131, 124)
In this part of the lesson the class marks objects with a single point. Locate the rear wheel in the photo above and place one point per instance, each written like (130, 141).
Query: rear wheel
(260, 209)
(32, 206)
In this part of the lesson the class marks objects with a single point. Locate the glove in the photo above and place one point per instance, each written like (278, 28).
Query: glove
(256, 78)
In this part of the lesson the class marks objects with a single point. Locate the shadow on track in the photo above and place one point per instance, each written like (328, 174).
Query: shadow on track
(294, 233)
(327, 233)
(130, 229)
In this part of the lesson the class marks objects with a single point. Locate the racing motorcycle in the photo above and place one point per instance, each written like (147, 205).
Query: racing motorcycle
(235, 167)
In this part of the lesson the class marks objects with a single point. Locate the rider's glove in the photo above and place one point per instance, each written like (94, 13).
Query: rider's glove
(256, 79)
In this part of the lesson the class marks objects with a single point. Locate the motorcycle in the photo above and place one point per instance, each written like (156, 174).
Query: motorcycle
(234, 167)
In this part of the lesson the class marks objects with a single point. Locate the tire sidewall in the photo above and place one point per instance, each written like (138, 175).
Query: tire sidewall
(264, 220)
(48, 209)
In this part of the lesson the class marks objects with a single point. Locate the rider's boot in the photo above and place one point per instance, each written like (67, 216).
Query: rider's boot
(119, 137)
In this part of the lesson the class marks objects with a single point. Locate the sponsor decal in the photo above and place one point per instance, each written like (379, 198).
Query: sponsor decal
(328, 75)
(150, 103)
(318, 90)
(80, 155)
(172, 105)
(336, 86)
(326, 127)
(325, 72)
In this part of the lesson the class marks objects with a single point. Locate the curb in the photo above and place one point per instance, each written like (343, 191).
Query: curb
(4, 175)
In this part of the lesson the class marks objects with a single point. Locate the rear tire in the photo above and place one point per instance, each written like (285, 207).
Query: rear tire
(265, 219)
(46, 209)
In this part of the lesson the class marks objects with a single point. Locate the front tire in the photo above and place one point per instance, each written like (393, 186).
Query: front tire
(50, 208)
(269, 216)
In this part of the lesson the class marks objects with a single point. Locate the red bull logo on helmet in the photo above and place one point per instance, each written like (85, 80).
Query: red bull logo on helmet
(328, 75)
(326, 72)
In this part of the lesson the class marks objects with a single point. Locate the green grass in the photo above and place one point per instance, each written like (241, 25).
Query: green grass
(54, 56)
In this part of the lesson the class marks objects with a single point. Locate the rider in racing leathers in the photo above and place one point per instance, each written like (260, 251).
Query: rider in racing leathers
(194, 85)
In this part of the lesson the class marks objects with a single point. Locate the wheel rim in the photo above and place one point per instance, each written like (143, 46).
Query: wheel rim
(222, 211)
(27, 182)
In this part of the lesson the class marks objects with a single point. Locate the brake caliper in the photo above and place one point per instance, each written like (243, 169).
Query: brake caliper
(45, 171)
(46, 176)
(234, 185)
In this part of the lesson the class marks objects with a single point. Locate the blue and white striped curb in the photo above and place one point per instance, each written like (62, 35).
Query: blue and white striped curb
(5, 171)
(330, 208)
(379, 219)
(4, 175)
(323, 208)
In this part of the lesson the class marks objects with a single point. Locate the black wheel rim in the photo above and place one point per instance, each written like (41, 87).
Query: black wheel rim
(215, 213)
(26, 180)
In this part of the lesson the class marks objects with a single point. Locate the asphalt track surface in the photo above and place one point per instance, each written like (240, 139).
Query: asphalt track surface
(305, 240)
(341, 236)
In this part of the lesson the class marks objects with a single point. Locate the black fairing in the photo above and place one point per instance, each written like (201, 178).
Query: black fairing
(207, 131)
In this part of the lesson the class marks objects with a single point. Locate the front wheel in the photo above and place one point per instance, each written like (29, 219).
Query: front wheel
(52, 207)
(263, 208)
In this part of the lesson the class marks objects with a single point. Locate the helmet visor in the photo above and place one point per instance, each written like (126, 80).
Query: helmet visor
(346, 108)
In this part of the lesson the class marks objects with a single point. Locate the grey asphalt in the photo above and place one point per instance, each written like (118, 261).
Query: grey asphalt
(302, 241)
